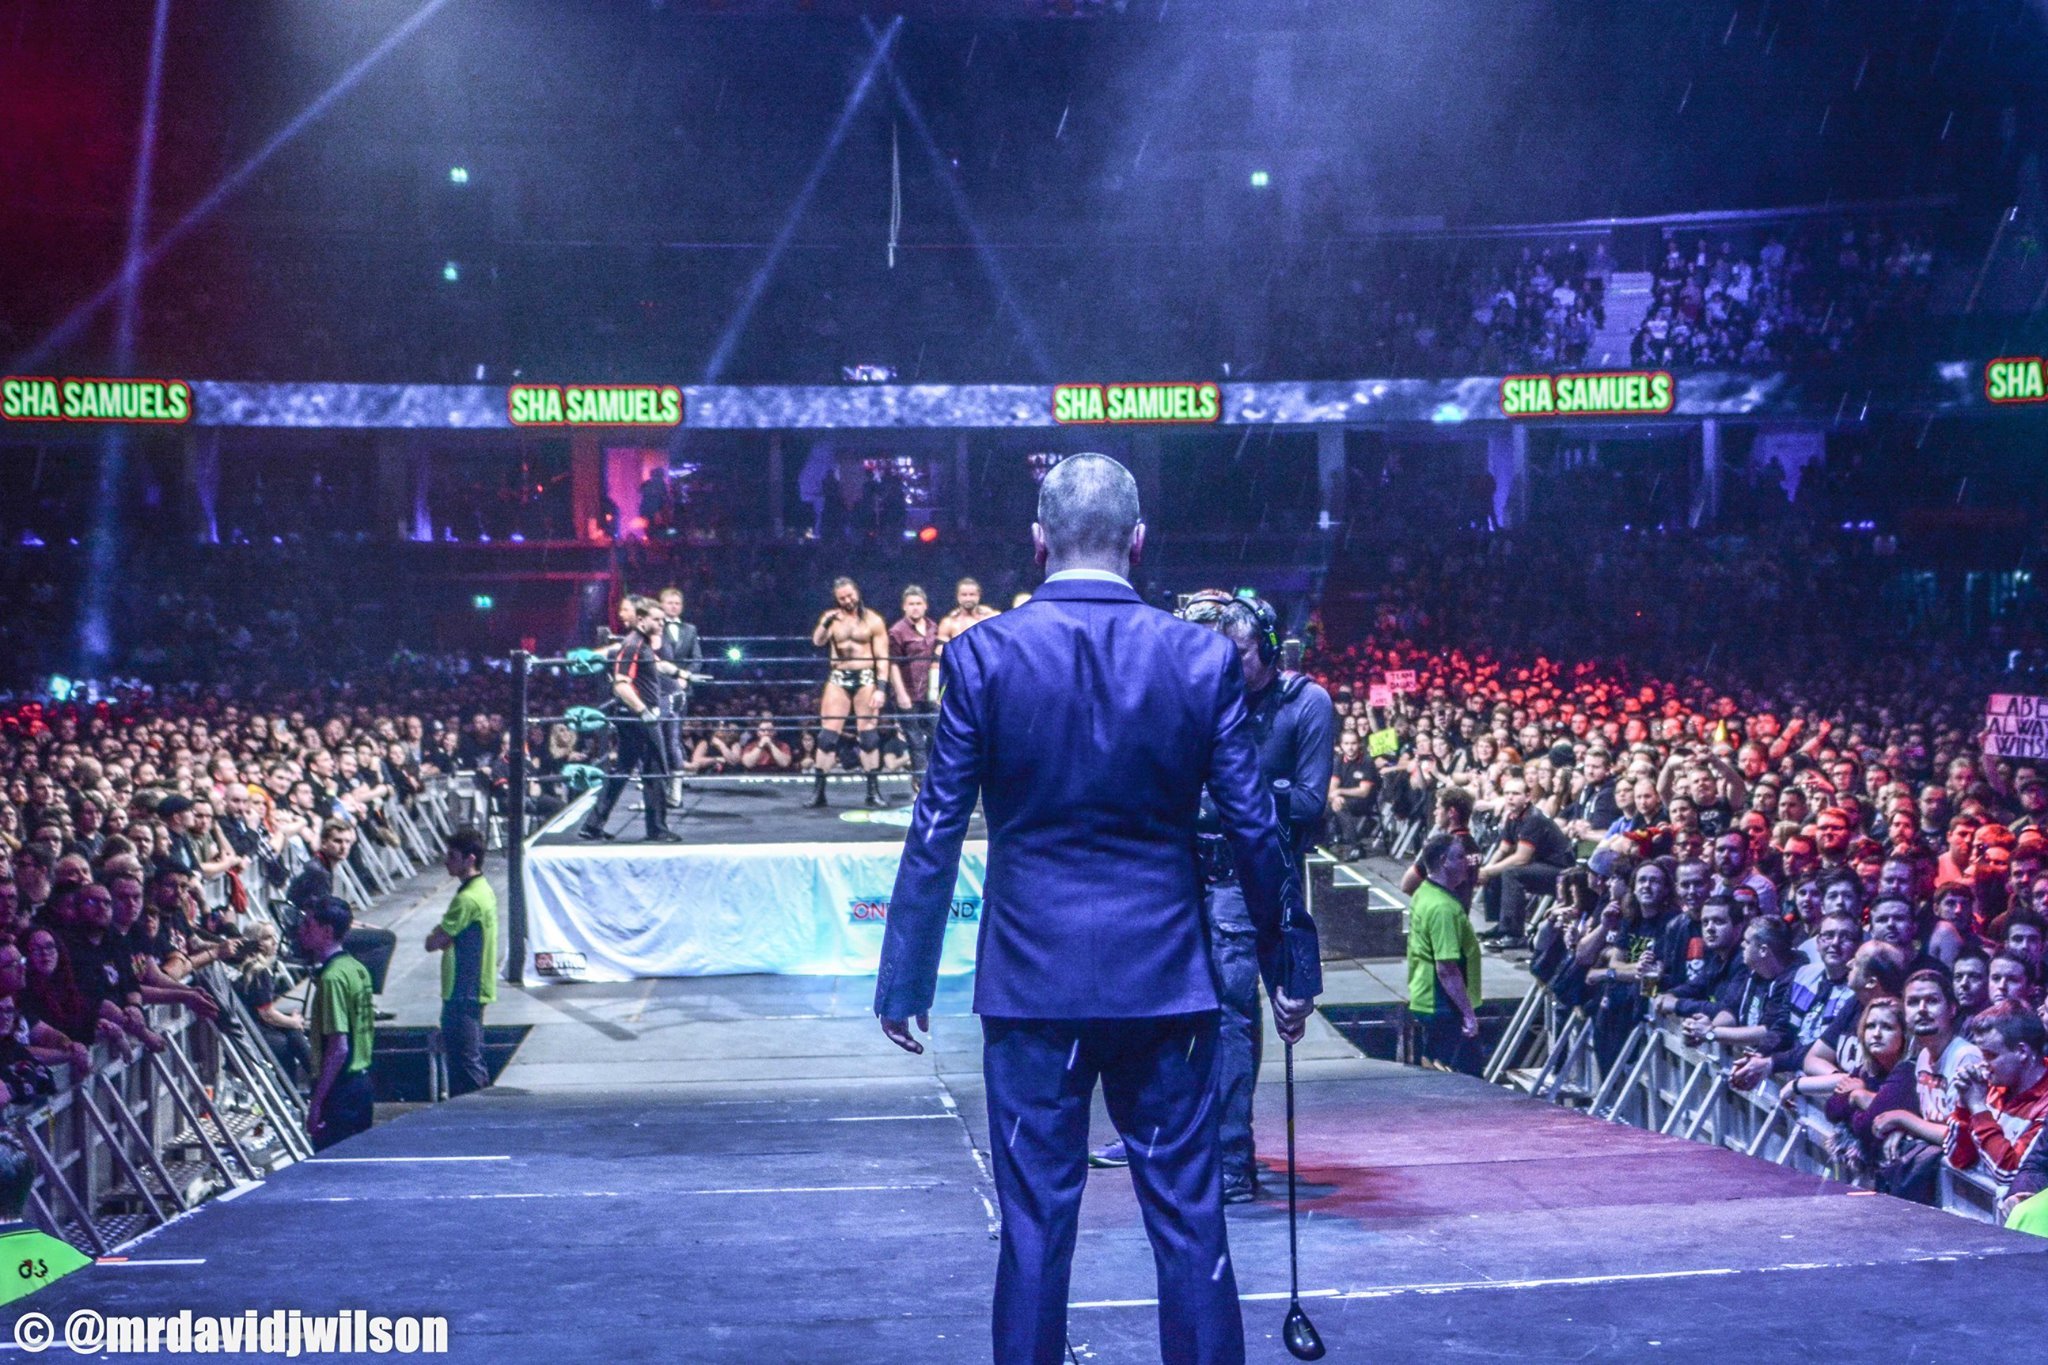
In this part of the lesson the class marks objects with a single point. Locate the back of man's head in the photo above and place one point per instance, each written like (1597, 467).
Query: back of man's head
(1436, 852)
(468, 843)
(332, 914)
(1088, 508)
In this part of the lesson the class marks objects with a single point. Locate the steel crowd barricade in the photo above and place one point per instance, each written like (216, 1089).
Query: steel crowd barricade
(132, 1144)
(1665, 1084)
(1547, 1049)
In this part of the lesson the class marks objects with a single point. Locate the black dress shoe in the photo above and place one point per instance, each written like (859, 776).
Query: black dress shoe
(1240, 1191)
(663, 836)
(593, 836)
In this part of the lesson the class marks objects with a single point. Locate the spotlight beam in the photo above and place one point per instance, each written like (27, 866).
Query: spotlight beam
(998, 281)
(67, 330)
(95, 644)
(729, 339)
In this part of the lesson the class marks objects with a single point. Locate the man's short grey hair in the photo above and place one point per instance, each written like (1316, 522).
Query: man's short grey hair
(1088, 507)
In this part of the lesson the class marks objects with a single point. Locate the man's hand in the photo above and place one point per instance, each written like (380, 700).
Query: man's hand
(1748, 1072)
(1976, 1080)
(1290, 1016)
(898, 1032)
(1470, 1026)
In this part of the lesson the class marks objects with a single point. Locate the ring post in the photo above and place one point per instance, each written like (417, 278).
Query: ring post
(515, 828)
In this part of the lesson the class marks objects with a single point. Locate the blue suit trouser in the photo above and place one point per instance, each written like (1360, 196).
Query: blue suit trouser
(1157, 1083)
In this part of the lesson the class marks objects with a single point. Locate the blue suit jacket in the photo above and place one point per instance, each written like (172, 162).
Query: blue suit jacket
(1088, 722)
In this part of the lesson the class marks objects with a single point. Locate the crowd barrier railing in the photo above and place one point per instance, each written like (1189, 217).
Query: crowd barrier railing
(130, 1145)
(1662, 1083)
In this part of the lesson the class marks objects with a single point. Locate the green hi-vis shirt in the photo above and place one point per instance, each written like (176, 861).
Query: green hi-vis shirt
(469, 970)
(1439, 930)
(31, 1258)
(343, 1004)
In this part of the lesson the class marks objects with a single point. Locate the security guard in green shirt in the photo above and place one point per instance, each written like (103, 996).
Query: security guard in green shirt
(467, 939)
(341, 1026)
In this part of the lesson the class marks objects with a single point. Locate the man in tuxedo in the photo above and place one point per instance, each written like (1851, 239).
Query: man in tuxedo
(680, 653)
(1088, 724)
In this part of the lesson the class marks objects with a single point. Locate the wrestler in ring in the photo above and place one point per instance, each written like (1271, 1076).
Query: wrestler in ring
(858, 640)
(968, 608)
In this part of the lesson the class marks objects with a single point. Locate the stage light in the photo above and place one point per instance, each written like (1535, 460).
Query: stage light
(928, 534)
(1260, 180)
(451, 272)
(458, 175)
(750, 298)
(483, 601)
(733, 654)
(60, 688)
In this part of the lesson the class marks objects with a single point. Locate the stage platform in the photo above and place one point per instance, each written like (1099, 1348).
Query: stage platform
(756, 882)
(739, 1169)
(754, 810)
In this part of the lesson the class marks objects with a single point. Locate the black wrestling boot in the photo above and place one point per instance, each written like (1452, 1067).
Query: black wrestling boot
(593, 830)
(817, 800)
(654, 792)
(875, 791)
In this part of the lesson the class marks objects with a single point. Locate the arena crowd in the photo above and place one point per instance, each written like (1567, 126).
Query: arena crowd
(1826, 876)
(172, 850)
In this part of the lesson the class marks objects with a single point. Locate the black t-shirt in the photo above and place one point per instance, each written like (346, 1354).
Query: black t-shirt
(1716, 818)
(1359, 773)
(1767, 1004)
(258, 990)
(103, 970)
(1597, 806)
(1553, 846)
(636, 665)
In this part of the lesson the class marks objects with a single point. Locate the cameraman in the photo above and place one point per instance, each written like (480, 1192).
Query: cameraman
(1294, 724)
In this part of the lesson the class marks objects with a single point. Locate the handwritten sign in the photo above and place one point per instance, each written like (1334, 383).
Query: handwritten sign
(1401, 679)
(2016, 726)
(1379, 694)
(1383, 743)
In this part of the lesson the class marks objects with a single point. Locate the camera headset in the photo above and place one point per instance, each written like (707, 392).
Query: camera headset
(1212, 606)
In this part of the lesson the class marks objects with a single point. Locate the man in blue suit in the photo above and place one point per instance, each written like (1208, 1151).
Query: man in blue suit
(1088, 724)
